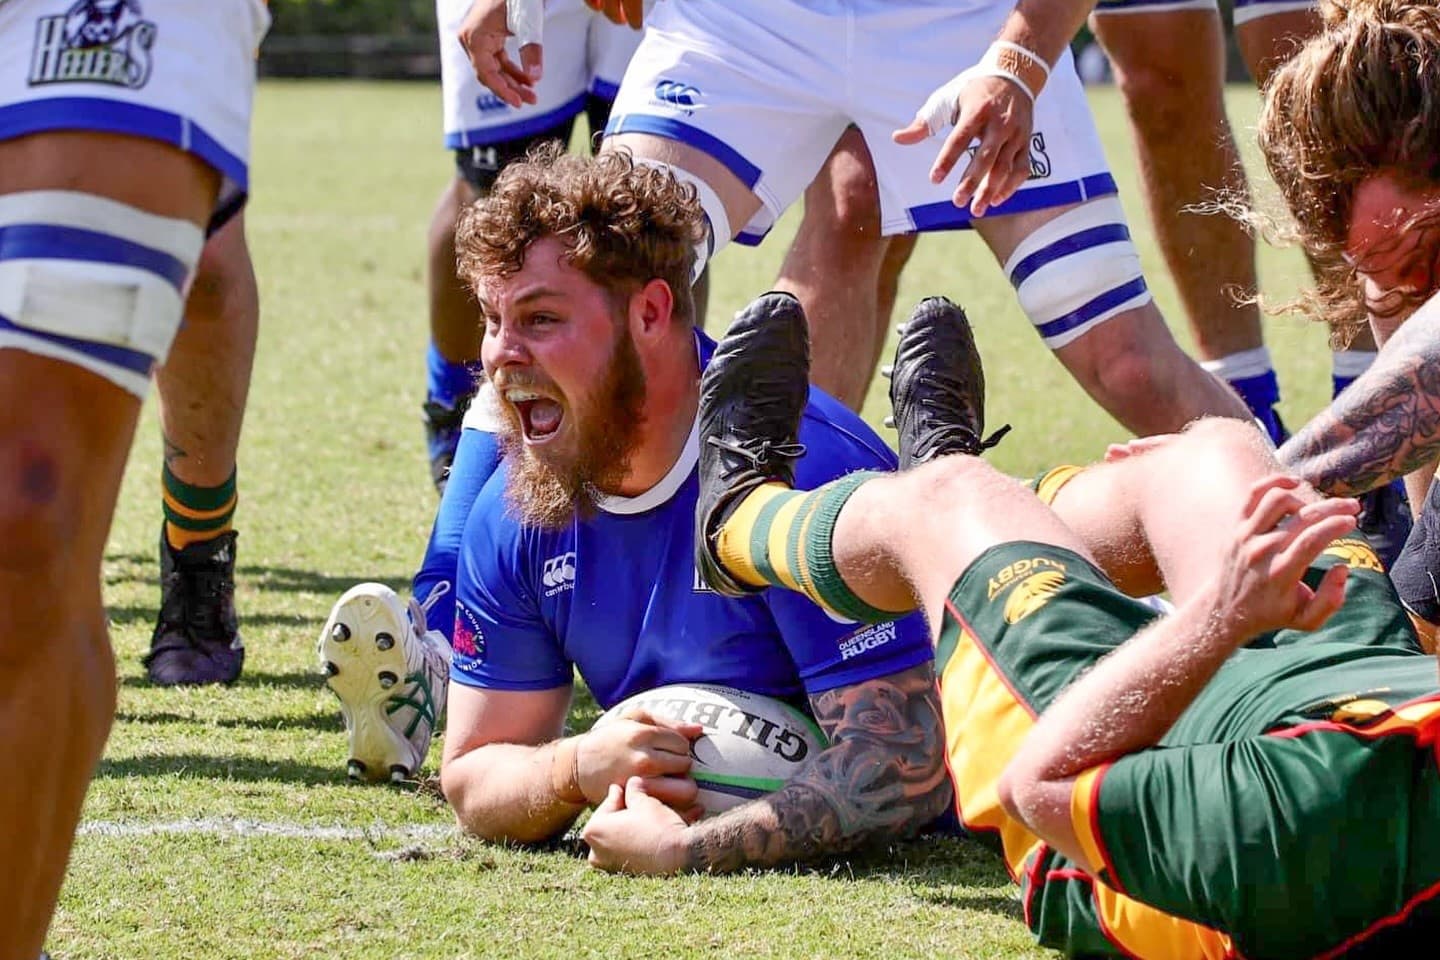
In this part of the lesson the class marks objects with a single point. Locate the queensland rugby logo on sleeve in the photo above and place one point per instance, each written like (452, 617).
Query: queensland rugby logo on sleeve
(469, 640)
(875, 635)
(1029, 584)
(95, 41)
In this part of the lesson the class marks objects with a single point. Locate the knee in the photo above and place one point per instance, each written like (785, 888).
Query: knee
(1160, 99)
(1225, 440)
(1123, 368)
(223, 275)
(845, 208)
(941, 486)
(39, 503)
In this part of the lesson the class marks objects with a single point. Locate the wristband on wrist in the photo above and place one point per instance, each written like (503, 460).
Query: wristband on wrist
(565, 772)
(1025, 68)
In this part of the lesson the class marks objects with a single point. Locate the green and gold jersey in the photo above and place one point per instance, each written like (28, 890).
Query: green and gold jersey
(1292, 811)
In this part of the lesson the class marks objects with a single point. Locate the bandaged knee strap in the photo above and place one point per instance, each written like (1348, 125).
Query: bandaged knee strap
(715, 215)
(93, 282)
(1077, 271)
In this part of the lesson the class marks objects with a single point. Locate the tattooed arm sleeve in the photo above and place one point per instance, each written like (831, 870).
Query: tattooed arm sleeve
(882, 776)
(1386, 424)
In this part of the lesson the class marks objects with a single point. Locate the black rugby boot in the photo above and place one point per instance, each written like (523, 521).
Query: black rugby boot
(937, 386)
(196, 639)
(751, 397)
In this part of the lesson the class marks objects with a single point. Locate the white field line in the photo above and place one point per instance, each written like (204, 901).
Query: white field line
(234, 827)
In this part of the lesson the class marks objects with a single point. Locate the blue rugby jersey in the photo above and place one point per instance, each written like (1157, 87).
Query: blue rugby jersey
(618, 596)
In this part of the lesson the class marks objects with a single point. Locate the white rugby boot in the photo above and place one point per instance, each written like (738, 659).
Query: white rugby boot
(390, 674)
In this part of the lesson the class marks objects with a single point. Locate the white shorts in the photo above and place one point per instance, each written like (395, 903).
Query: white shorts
(584, 53)
(179, 71)
(767, 87)
(1245, 10)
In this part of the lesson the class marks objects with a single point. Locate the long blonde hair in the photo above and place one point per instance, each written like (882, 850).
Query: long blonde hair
(1361, 97)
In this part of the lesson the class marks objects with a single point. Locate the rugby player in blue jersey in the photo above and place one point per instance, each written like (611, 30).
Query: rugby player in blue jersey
(577, 552)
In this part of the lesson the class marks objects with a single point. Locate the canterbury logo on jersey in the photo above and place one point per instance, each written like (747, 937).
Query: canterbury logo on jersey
(559, 574)
(95, 41)
(676, 94)
(489, 103)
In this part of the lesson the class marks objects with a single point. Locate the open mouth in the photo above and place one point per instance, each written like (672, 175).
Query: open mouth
(540, 417)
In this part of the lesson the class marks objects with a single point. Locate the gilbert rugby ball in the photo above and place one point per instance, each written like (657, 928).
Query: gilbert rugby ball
(751, 745)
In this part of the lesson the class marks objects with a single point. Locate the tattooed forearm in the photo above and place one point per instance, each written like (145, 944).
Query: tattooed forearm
(1384, 426)
(882, 776)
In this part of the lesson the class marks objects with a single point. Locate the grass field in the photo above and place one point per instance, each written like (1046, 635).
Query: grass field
(220, 823)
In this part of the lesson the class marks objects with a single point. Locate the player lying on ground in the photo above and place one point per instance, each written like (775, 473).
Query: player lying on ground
(577, 549)
(1164, 788)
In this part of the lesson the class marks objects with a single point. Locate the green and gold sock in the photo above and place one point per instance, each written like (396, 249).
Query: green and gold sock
(781, 537)
(193, 514)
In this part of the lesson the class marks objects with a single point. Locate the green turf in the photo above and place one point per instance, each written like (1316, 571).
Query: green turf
(334, 489)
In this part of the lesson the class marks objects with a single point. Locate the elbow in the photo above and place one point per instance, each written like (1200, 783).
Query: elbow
(1013, 792)
(477, 815)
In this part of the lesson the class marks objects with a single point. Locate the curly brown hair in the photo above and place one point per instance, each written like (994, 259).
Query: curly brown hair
(625, 223)
(1361, 97)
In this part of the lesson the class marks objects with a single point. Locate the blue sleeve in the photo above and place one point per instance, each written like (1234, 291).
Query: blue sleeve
(831, 653)
(476, 458)
(501, 642)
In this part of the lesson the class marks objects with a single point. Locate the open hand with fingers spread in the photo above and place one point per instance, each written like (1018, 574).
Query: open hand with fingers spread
(483, 34)
(996, 111)
(655, 749)
(1280, 534)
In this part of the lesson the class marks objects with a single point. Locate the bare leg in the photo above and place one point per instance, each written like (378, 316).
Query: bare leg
(204, 383)
(1153, 521)
(64, 436)
(844, 272)
(1171, 70)
(1129, 363)
(908, 536)
(454, 323)
(1267, 42)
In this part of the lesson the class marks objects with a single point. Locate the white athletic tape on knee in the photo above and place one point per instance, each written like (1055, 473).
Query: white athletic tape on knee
(526, 20)
(1077, 271)
(94, 282)
(714, 208)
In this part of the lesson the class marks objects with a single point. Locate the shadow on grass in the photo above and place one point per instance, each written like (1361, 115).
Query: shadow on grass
(305, 680)
(326, 723)
(942, 869)
(145, 614)
(145, 568)
(998, 904)
(195, 766)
